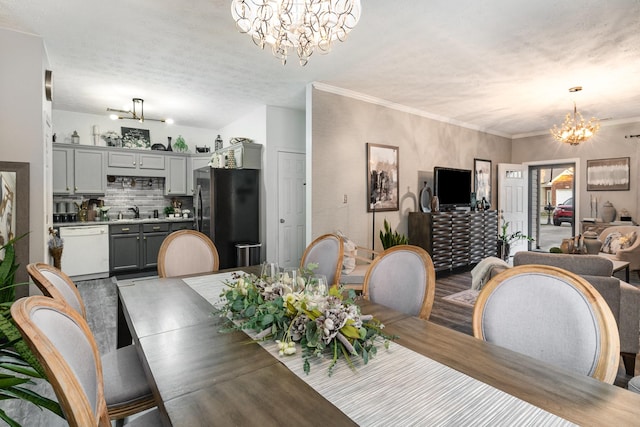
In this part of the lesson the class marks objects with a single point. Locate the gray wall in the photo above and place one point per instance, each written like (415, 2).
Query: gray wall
(340, 128)
(609, 142)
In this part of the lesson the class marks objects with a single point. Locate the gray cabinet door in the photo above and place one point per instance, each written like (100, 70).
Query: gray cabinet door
(89, 172)
(62, 171)
(176, 183)
(119, 159)
(151, 161)
(151, 243)
(125, 252)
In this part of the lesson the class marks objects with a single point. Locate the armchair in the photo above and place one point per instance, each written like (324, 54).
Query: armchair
(630, 254)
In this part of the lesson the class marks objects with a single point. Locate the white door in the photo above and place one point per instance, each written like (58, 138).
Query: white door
(513, 201)
(291, 209)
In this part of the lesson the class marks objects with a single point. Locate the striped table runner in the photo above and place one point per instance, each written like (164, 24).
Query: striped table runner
(400, 386)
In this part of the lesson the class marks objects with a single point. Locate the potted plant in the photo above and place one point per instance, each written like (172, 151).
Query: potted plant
(19, 365)
(180, 145)
(389, 238)
(505, 239)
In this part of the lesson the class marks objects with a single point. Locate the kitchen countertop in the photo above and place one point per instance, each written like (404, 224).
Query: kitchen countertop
(122, 221)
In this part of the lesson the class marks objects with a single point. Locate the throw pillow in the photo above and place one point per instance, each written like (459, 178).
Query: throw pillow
(617, 241)
(349, 258)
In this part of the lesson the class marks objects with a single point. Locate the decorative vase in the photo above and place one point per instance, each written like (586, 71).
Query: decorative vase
(591, 242)
(503, 250)
(435, 204)
(56, 254)
(218, 143)
(169, 144)
(425, 198)
(608, 212)
(231, 159)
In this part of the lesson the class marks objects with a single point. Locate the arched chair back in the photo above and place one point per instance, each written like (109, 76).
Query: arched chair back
(402, 278)
(55, 284)
(61, 340)
(126, 389)
(552, 315)
(187, 252)
(326, 251)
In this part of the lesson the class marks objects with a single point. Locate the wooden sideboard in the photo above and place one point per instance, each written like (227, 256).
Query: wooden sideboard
(455, 239)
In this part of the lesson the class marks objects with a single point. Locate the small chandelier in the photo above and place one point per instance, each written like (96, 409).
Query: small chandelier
(300, 25)
(134, 114)
(574, 130)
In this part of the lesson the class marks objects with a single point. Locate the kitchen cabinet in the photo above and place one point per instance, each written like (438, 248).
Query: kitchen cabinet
(62, 170)
(135, 247)
(88, 172)
(78, 171)
(135, 163)
(176, 182)
(152, 237)
(124, 247)
(196, 161)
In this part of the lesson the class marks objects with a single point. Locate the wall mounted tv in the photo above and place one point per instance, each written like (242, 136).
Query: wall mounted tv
(453, 187)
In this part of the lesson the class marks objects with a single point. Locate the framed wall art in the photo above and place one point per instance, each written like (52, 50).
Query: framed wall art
(382, 178)
(608, 174)
(482, 179)
(14, 216)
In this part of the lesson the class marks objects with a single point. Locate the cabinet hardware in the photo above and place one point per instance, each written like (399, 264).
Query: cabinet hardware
(156, 228)
(75, 188)
(134, 163)
(138, 238)
(125, 229)
(67, 188)
(144, 238)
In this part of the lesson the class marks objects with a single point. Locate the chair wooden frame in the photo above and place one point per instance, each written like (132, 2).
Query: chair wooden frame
(608, 358)
(309, 248)
(430, 285)
(116, 412)
(71, 396)
(162, 254)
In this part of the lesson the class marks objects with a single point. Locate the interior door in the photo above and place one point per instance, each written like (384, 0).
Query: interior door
(291, 208)
(513, 201)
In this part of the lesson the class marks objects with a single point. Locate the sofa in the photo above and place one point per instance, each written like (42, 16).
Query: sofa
(623, 299)
(631, 253)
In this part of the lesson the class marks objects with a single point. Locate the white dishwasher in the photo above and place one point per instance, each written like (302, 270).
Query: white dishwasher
(85, 253)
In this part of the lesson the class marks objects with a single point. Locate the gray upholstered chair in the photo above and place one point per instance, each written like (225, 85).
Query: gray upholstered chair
(61, 340)
(623, 299)
(551, 315)
(187, 252)
(403, 278)
(630, 254)
(634, 384)
(127, 391)
(326, 251)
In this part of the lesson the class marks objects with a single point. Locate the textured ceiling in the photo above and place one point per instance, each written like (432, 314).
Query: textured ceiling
(499, 65)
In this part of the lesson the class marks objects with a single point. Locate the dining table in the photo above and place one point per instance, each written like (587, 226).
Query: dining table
(204, 372)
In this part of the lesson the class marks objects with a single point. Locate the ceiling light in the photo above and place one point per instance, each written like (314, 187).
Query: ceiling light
(136, 113)
(300, 25)
(574, 130)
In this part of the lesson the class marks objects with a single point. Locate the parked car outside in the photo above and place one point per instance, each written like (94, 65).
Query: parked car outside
(563, 212)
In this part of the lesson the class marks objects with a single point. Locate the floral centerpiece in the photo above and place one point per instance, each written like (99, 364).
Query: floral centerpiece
(319, 324)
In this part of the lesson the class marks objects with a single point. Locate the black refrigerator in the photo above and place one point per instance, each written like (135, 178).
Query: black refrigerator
(227, 208)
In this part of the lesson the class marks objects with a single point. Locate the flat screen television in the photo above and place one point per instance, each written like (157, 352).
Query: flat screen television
(453, 187)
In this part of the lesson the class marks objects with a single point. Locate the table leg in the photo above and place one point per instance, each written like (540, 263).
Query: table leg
(124, 335)
(626, 274)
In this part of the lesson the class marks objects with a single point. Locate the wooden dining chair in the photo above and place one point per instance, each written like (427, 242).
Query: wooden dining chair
(127, 391)
(402, 278)
(326, 251)
(62, 342)
(187, 252)
(552, 315)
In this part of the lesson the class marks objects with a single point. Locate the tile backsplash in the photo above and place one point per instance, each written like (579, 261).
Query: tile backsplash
(125, 192)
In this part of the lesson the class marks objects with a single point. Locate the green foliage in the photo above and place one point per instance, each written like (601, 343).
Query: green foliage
(513, 237)
(18, 365)
(555, 250)
(321, 325)
(180, 145)
(389, 238)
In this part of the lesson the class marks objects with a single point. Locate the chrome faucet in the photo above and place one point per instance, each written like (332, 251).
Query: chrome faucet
(136, 211)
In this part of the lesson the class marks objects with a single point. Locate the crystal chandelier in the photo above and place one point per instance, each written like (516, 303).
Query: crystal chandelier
(574, 130)
(300, 25)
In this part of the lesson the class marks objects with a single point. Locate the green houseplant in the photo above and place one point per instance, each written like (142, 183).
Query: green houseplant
(505, 239)
(389, 238)
(180, 145)
(18, 365)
